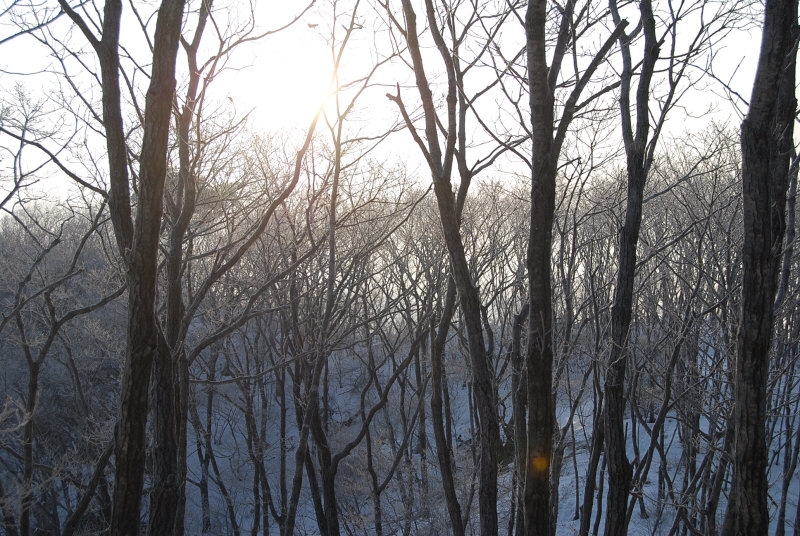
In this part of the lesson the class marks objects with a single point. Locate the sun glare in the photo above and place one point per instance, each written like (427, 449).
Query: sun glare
(288, 83)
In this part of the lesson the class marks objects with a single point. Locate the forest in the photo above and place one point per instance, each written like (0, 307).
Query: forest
(399, 267)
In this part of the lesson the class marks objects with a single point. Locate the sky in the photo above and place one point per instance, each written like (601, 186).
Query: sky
(282, 79)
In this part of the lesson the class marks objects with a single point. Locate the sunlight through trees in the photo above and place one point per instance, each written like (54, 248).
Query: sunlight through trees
(399, 267)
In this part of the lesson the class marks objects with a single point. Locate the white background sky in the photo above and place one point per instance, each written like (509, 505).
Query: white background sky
(282, 79)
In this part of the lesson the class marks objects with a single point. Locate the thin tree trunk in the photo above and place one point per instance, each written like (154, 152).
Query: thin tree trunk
(376, 495)
(591, 474)
(636, 150)
(71, 524)
(789, 468)
(440, 161)
(421, 373)
(519, 382)
(327, 473)
(27, 442)
(443, 453)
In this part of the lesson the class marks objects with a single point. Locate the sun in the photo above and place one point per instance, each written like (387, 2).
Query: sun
(289, 80)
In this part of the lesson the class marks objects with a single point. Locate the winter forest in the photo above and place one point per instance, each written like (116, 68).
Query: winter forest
(399, 267)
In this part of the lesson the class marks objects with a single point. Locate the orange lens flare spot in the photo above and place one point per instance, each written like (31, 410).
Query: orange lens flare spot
(540, 463)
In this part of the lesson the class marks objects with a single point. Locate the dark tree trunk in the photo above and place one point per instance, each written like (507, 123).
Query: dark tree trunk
(27, 499)
(302, 458)
(482, 371)
(420, 374)
(171, 369)
(546, 142)
(539, 356)
(519, 382)
(72, 522)
(137, 240)
(443, 454)
(377, 511)
(440, 160)
(766, 150)
(327, 472)
(638, 162)
(164, 498)
(142, 338)
(591, 473)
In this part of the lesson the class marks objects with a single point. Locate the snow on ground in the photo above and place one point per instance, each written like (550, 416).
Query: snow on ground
(353, 488)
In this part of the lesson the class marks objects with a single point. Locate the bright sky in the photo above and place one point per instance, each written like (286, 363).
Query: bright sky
(283, 79)
(289, 78)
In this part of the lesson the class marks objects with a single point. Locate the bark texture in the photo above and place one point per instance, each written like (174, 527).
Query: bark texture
(547, 140)
(143, 333)
(638, 158)
(766, 152)
(539, 356)
(171, 369)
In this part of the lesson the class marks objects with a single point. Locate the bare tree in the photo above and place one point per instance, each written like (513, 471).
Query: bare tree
(443, 151)
(767, 145)
(547, 138)
(138, 239)
(641, 129)
(53, 300)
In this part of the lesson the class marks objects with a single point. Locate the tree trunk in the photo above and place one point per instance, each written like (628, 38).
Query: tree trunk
(638, 163)
(482, 372)
(142, 333)
(539, 357)
(590, 481)
(766, 150)
(519, 382)
(440, 161)
(442, 447)
(170, 414)
(327, 472)
(164, 499)
(421, 374)
(27, 447)
(545, 152)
